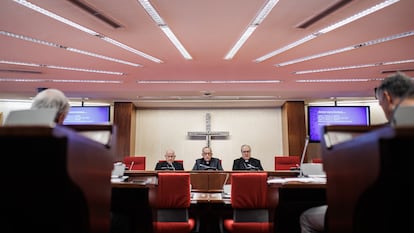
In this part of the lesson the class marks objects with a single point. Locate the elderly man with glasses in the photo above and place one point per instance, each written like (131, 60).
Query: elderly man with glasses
(169, 163)
(246, 162)
(207, 162)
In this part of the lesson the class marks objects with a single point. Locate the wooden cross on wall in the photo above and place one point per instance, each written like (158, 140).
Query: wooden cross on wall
(208, 135)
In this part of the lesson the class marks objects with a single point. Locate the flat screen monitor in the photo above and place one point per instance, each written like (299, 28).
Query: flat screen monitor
(88, 115)
(319, 116)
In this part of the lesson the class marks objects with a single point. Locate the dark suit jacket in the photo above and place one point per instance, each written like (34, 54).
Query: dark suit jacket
(165, 166)
(213, 164)
(251, 164)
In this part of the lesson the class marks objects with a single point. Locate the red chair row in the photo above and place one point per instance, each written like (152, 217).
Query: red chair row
(252, 201)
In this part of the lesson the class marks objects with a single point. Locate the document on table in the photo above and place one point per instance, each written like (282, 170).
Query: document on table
(297, 179)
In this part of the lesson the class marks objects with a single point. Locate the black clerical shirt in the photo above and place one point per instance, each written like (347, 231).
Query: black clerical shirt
(250, 164)
(166, 166)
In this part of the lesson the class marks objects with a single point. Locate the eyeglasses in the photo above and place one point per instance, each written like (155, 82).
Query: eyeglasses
(207, 153)
(245, 151)
(377, 93)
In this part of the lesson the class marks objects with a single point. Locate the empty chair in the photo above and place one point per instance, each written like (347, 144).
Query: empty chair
(170, 201)
(135, 162)
(286, 162)
(253, 204)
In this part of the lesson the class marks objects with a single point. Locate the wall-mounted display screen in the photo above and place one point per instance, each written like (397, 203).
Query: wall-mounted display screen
(319, 116)
(88, 115)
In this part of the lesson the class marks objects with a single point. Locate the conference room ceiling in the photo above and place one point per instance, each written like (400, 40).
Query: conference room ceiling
(39, 51)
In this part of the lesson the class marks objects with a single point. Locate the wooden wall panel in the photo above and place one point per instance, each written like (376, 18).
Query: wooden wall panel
(294, 127)
(125, 121)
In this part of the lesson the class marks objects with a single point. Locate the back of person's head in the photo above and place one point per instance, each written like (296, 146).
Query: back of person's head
(393, 91)
(398, 86)
(52, 98)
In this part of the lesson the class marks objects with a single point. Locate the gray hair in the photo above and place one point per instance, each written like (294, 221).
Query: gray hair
(52, 98)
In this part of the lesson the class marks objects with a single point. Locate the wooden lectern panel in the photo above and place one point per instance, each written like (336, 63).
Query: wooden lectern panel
(368, 190)
(208, 181)
(54, 180)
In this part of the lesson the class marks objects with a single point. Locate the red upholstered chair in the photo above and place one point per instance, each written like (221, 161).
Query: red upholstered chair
(253, 203)
(170, 201)
(316, 160)
(135, 162)
(286, 162)
(177, 160)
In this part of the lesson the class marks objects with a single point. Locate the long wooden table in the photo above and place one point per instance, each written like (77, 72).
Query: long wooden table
(207, 203)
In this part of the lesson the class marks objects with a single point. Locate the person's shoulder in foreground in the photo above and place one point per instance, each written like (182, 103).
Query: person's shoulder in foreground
(395, 90)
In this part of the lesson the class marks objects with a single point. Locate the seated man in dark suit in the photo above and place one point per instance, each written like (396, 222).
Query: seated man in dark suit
(169, 163)
(207, 162)
(246, 162)
(395, 90)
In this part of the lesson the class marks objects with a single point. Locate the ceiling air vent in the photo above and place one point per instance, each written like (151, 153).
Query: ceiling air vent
(323, 13)
(95, 13)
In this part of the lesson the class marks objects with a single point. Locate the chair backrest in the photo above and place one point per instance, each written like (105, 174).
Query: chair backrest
(81, 199)
(249, 190)
(170, 201)
(177, 160)
(253, 203)
(173, 191)
(286, 162)
(135, 162)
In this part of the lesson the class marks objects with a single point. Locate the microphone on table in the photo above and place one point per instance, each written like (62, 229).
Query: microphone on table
(251, 167)
(171, 166)
(168, 167)
(207, 167)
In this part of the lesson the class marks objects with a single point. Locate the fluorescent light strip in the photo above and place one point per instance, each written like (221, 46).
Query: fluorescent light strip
(335, 69)
(59, 81)
(61, 67)
(206, 82)
(397, 62)
(353, 67)
(251, 28)
(86, 81)
(84, 29)
(167, 31)
(332, 52)
(328, 29)
(164, 27)
(246, 81)
(357, 46)
(358, 16)
(204, 100)
(208, 98)
(21, 37)
(102, 57)
(335, 80)
(287, 47)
